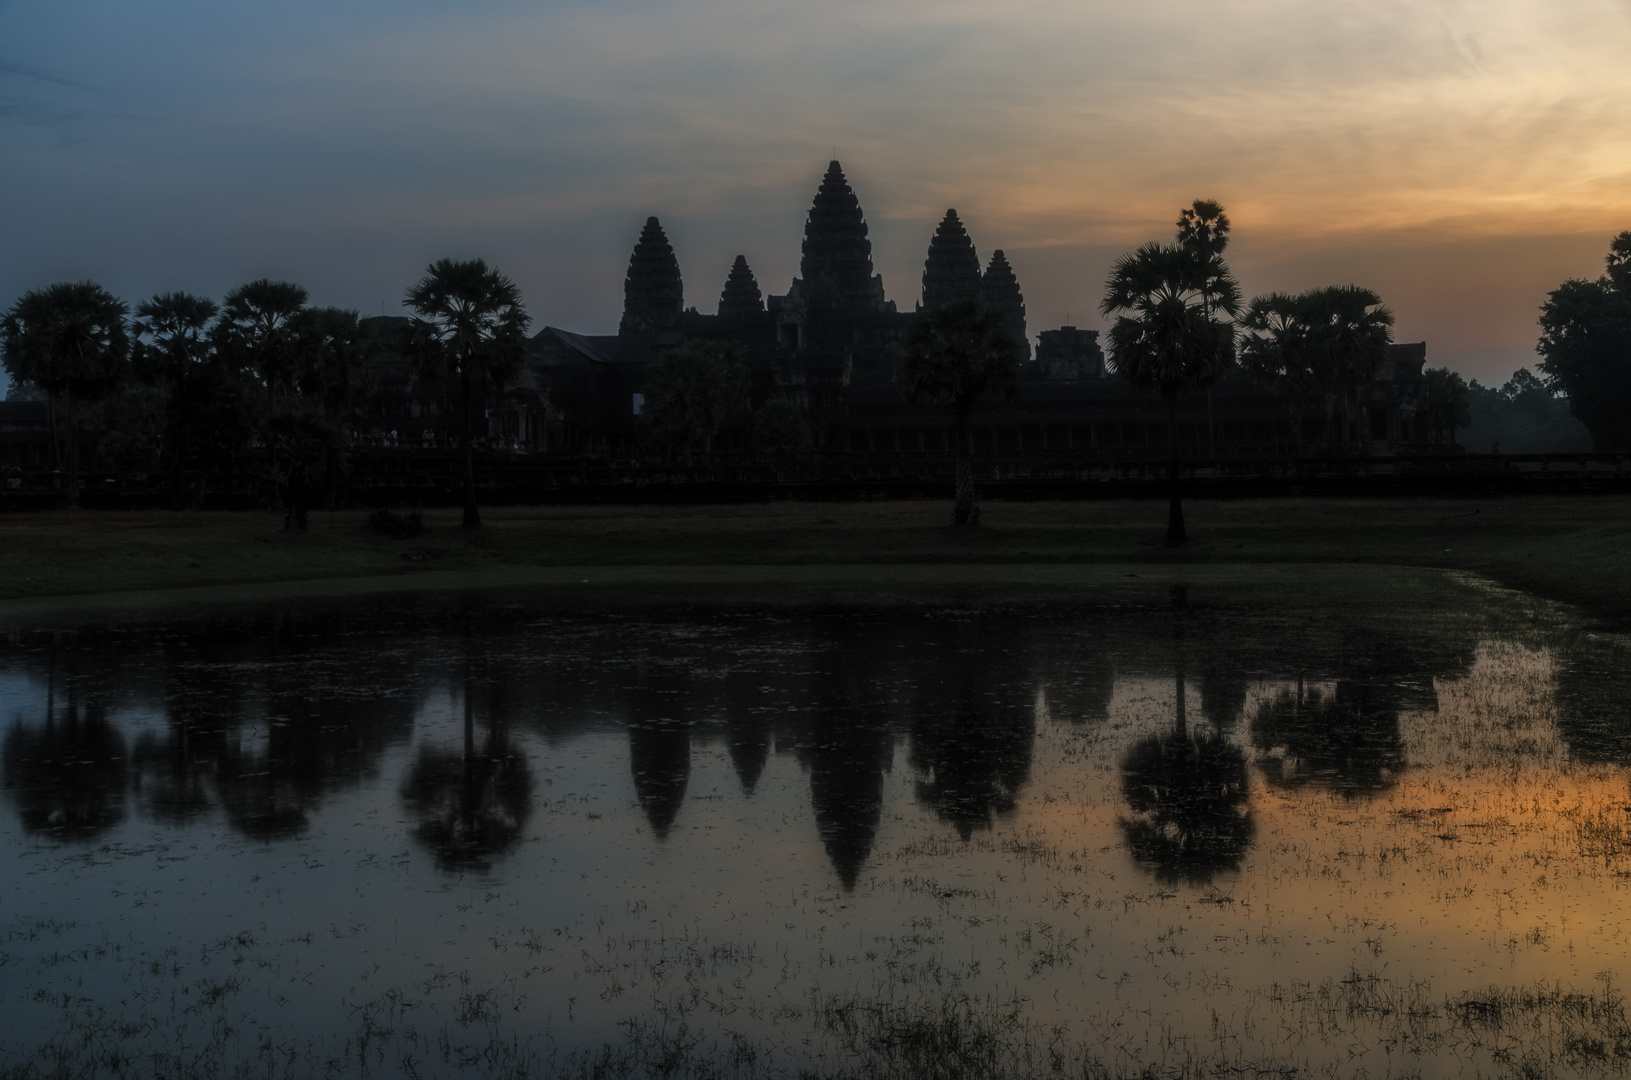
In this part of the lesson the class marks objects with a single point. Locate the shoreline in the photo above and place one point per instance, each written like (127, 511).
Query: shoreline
(1576, 550)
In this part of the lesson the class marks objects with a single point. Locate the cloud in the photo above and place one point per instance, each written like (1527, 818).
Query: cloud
(348, 144)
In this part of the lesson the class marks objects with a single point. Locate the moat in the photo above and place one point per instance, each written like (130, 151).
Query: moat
(1184, 830)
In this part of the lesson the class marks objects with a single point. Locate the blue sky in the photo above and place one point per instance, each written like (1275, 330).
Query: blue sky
(1461, 158)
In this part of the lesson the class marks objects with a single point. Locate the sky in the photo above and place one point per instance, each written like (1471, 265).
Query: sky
(1460, 157)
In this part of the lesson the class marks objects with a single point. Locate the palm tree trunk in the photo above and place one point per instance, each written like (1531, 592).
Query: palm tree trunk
(51, 420)
(964, 511)
(472, 516)
(1175, 507)
(73, 453)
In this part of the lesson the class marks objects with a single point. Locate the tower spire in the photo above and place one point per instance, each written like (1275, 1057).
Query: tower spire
(837, 263)
(999, 289)
(741, 297)
(653, 294)
(952, 270)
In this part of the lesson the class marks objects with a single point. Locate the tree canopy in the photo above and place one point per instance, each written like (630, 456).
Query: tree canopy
(959, 353)
(691, 391)
(1585, 346)
(70, 340)
(470, 326)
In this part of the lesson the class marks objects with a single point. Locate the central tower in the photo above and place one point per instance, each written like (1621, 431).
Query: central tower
(836, 269)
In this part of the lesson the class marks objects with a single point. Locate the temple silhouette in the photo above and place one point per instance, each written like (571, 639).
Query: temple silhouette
(832, 341)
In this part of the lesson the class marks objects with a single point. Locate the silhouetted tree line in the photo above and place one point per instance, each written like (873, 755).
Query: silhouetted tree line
(261, 382)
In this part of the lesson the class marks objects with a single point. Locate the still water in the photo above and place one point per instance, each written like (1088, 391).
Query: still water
(1183, 832)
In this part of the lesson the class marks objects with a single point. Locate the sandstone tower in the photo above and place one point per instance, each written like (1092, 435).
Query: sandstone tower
(952, 270)
(653, 295)
(836, 268)
(1000, 290)
(741, 298)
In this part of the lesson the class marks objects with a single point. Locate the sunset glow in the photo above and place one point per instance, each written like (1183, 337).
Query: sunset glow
(1459, 158)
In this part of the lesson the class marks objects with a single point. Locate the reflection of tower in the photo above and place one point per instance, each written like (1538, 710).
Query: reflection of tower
(747, 735)
(847, 762)
(660, 759)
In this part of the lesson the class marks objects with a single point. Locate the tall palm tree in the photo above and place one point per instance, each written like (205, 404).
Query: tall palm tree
(959, 353)
(1166, 338)
(470, 326)
(70, 340)
(1203, 230)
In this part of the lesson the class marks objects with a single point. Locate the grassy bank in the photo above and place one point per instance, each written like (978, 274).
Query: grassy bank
(1572, 549)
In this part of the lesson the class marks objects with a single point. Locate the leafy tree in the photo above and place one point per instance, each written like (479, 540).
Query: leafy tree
(335, 363)
(136, 441)
(779, 425)
(1447, 400)
(959, 354)
(471, 326)
(1167, 337)
(691, 391)
(70, 340)
(336, 359)
(208, 420)
(1585, 345)
(1523, 416)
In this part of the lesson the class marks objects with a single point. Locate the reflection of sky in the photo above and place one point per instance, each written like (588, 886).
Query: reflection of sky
(1461, 158)
(1466, 875)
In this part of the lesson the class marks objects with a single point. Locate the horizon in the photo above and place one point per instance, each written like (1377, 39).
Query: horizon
(1462, 162)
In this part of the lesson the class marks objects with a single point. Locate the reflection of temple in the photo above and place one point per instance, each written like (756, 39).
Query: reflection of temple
(831, 343)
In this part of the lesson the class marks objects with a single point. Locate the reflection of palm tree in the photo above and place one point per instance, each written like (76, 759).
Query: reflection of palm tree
(660, 758)
(1348, 741)
(68, 778)
(471, 806)
(1188, 795)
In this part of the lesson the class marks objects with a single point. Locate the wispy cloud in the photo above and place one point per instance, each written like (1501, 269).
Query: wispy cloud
(363, 136)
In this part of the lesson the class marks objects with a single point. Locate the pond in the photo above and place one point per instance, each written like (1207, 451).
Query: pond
(1381, 828)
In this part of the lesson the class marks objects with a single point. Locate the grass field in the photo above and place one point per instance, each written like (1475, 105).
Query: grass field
(1571, 549)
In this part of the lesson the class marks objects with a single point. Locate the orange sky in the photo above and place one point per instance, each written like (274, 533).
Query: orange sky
(1461, 158)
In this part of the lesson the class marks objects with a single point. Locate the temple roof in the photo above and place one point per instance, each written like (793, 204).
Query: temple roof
(837, 265)
(952, 269)
(653, 295)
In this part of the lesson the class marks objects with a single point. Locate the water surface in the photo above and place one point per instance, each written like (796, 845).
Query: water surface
(1179, 832)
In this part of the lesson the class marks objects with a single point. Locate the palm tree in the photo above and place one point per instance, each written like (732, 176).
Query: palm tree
(1352, 333)
(1169, 340)
(958, 354)
(256, 329)
(1203, 230)
(470, 325)
(1278, 350)
(70, 340)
